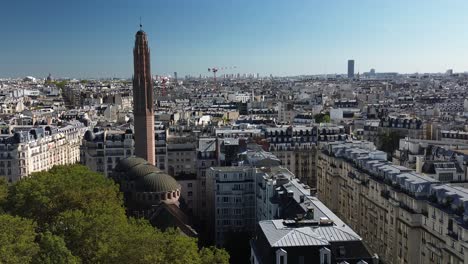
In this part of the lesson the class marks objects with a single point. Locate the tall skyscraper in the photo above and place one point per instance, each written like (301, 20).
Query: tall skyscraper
(143, 107)
(350, 69)
(175, 77)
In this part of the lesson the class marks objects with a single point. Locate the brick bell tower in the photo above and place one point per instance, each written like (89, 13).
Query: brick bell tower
(143, 107)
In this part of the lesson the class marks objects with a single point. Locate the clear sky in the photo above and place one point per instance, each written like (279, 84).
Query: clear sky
(94, 38)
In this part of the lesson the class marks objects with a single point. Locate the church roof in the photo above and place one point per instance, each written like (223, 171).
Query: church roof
(141, 170)
(157, 182)
(147, 177)
(128, 163)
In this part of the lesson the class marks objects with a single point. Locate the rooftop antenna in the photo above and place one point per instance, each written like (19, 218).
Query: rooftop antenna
(141, 26)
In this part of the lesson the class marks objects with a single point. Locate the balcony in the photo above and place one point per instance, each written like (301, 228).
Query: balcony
(385, 194)
(452, 235)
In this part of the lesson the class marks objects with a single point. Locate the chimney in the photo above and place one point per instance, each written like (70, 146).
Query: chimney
(310, 213)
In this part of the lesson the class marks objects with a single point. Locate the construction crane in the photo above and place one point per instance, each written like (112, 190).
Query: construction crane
(214, 70)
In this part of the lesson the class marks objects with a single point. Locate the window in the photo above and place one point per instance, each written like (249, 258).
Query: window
(325, 256)
(189, 185)
(281, 256)
(189, 194)
(341, 251)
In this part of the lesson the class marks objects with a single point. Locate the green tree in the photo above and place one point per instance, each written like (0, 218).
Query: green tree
(81, 219)
(45, 195)
(213, 255)
(61, 84)
(389, 142)
(92, 236)
(17, 239)
(179, 249)
(322, 118)
(3, 193)
(53, 251)
(140, 244)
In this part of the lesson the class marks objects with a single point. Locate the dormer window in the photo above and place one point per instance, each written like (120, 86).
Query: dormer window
(281, 256)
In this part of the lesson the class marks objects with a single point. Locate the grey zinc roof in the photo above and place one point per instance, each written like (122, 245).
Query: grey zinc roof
(289, 237)
(299, 237)
(333, 233)
(207, 145)
(279, 235)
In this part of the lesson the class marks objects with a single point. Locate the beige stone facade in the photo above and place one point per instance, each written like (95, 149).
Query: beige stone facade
(403, 216)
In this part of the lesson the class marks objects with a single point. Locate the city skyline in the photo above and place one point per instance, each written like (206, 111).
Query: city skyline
(91, 40)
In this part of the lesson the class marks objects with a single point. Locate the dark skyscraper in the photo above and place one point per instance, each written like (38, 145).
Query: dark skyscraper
(350, 69)
(143, 109)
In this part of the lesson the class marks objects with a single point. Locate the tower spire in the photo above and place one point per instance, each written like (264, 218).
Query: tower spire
(143, 108)
(141, 26)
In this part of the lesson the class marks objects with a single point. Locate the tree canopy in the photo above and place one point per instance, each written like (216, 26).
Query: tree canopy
(322, 118)
(70, 214)
(17, 237)
(389, 142)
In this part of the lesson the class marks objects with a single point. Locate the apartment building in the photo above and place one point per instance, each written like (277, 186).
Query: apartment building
(296, 146)
(402, 215)
(28, 149)
(230, 200)
(441, 160)
(102, 150)
(295, 227)
(160, 142)
(181, 155)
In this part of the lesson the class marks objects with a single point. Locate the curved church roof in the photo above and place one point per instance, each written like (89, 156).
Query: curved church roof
(147, 177)
(157, 182)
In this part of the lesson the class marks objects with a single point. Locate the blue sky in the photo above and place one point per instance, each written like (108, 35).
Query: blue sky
(94, 38)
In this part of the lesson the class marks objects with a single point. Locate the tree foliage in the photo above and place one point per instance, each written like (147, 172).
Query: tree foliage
(45, 195)
(214, 255)
(60, 84)
(81, 219)
(17, 237)
(53, 250)
(322, 118)
(389, 142)
(3, 193)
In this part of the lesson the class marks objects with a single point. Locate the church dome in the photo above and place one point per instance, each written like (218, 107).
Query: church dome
(157, 183)
(147, 177)
(141, 170)
(126, 164)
